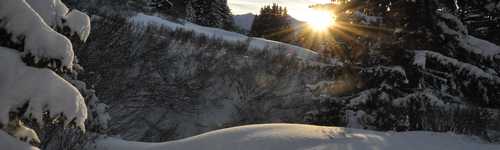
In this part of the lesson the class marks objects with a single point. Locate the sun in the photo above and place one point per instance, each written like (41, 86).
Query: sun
(320, 20)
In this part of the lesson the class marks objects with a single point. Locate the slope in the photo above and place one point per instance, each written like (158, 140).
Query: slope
(256, 43)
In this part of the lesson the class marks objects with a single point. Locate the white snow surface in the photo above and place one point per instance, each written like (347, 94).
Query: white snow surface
(40, 40)
(8, 142)
(306, 137)
(256, 43)
(42, 89)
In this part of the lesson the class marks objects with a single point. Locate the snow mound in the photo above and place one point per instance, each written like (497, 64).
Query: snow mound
(20, 20)
(257, 43)
(42, 90)
(306, 137)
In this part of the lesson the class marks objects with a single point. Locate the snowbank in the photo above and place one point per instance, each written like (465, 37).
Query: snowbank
(257, 43)
(306, 137)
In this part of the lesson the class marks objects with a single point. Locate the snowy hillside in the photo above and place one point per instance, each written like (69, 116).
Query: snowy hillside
(257, 43)
(244, 21)
(306, 137)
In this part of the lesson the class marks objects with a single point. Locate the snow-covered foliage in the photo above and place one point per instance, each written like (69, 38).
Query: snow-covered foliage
(23, 133)
(56, 14)
(401, 87)
(421, 58)
(8, 142)
(452, 26)
(30, 92)
(29, 29)
(42, 90)
(305, 137)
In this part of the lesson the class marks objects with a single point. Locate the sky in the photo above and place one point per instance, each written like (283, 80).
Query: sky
(296, 8)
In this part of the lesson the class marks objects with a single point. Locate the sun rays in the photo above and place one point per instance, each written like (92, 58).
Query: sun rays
(320, 20)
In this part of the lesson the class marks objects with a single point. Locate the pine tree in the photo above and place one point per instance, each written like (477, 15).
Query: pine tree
(272, 23)
(425, 73)
(213, 13)
(32, 55)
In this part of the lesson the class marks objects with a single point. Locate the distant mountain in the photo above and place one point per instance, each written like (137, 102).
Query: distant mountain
(244, 21)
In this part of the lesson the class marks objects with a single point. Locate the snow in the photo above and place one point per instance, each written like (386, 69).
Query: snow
(367, 20)
(20, 20)
(42, 89)
(433, 100)
(7, 142)
(363, 97)
(55, 13)
(23, 132)
(420, 60)
(306, 137)
(470, 43)
(255, 43)
(462, 67)
(482, 47)
(79, 23)
(52, 11)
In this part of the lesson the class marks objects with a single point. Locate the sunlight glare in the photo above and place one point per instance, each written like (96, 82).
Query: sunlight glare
(320, 20)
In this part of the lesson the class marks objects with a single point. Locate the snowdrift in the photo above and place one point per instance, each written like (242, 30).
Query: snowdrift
(306, 137)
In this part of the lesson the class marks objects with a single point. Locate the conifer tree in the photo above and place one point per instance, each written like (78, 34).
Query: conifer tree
(213, 13)
(423, 71)
(272, 23)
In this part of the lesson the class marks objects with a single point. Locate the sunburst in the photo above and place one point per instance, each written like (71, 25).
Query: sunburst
(320, 20)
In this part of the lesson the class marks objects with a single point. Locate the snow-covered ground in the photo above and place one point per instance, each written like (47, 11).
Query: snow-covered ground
(306, 137)
(256, 43)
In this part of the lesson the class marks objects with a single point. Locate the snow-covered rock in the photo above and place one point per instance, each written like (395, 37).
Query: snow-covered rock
(306, 137)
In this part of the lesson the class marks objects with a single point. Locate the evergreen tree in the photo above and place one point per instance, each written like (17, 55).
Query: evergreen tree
(213, 13)
(272, 23)
(425, 73)
(32, 55)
